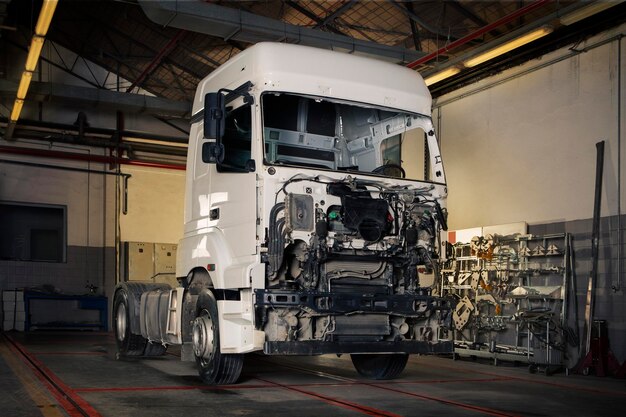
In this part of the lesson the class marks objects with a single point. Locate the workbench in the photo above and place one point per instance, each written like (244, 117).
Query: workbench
(86, 302)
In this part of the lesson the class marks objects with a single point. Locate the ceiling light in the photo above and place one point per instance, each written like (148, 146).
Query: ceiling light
(33, 53)
(508, 46)
(24, 83)
(587, 11)
(45, 16)
(442, 75)
(17, 109)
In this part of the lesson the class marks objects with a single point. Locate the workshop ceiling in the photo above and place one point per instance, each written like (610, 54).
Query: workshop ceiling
(169, 61)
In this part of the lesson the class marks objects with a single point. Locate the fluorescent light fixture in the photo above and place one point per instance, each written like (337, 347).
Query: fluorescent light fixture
(45, 17)
(586, 11)
(442, 75)
(33, 53)
(17, 109)
(24, 83)
(508, 46)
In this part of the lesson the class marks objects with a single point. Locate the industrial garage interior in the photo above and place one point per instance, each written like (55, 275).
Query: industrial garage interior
(503, 278)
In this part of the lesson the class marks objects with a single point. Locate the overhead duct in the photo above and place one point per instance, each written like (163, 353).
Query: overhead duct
(228, 23)
(135, 103)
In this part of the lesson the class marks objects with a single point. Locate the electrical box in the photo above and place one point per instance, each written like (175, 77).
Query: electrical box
(165, 263)
(146, 261)
(140, 261)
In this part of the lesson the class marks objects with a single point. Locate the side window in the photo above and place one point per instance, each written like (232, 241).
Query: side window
(414, 152)
(390, 150)
(237, 140)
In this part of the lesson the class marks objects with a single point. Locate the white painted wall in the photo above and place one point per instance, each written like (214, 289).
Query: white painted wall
(155, 205)
(523, 148)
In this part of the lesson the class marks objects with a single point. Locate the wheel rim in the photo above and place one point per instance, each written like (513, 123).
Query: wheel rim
(203, 336)
(120, 322)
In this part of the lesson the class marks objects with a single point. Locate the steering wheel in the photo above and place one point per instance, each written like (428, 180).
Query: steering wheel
(390, 170)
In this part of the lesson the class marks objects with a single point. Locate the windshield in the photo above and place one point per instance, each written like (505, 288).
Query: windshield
(323, 134)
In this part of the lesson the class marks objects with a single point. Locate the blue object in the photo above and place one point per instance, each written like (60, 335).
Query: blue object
(87, 302)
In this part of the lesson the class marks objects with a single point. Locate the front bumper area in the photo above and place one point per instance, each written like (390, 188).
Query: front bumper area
(314, 347)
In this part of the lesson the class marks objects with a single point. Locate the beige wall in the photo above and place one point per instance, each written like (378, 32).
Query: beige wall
(523, 149)
(155, 205)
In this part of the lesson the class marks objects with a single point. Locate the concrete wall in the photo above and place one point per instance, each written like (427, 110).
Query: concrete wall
(155, 201)
(530, 140)
(610, 304)
(520, 146)
(154, 196)
(89, 199)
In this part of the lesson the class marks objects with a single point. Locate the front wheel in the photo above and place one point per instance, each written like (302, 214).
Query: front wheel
(214, 367)
(379, 366)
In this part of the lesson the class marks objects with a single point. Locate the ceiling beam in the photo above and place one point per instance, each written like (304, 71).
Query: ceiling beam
(464, 11)
(101, 62)
(156, 61)
(419, 20)
(147, 47)
(54, 64)
(414, 31)
(334, 15)
(318, 20)
(136, 103)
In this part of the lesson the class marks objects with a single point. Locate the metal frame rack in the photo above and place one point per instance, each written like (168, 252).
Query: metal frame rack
(511, 294)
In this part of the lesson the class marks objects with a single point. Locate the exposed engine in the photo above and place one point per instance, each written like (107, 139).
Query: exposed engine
(342, 263)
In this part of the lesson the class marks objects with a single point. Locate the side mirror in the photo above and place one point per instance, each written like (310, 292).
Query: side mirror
(212, 152)
(214, 116)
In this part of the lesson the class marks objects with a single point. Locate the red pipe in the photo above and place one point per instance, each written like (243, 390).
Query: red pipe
(479, 32)
(87, 158)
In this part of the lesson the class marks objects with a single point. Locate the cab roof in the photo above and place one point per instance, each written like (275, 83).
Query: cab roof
(305, 70)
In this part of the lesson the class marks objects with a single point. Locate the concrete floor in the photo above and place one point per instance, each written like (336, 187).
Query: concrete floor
(77, 374)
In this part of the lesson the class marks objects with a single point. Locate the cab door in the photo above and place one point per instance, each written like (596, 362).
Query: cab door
(233, 197)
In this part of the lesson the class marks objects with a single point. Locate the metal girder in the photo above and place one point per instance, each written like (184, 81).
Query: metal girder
(135, 103)
(414, 30)
(228, 23)
(133, 71)
(334, 15)
(419, 20)
(54, 64)
(156, 61)
(464, 11)
(146, 46)
(312, 16)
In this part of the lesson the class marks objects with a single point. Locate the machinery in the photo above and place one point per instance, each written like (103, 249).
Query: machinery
(315, 191)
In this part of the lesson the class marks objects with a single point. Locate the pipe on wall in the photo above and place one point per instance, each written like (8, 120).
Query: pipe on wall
(485, 29)
(573, 52)
(112, 160)
(60, 168)
(618, 285)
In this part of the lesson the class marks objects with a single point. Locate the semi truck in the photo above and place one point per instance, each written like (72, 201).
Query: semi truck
(315, 196)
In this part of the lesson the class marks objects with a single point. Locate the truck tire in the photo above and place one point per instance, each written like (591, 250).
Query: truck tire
(379, 366)
(128, 344)
(214, 367)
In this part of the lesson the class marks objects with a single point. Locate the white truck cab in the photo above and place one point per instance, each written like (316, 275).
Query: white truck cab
(315, 191)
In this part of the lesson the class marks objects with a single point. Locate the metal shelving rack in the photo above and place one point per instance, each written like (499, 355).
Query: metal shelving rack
(512, 294)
